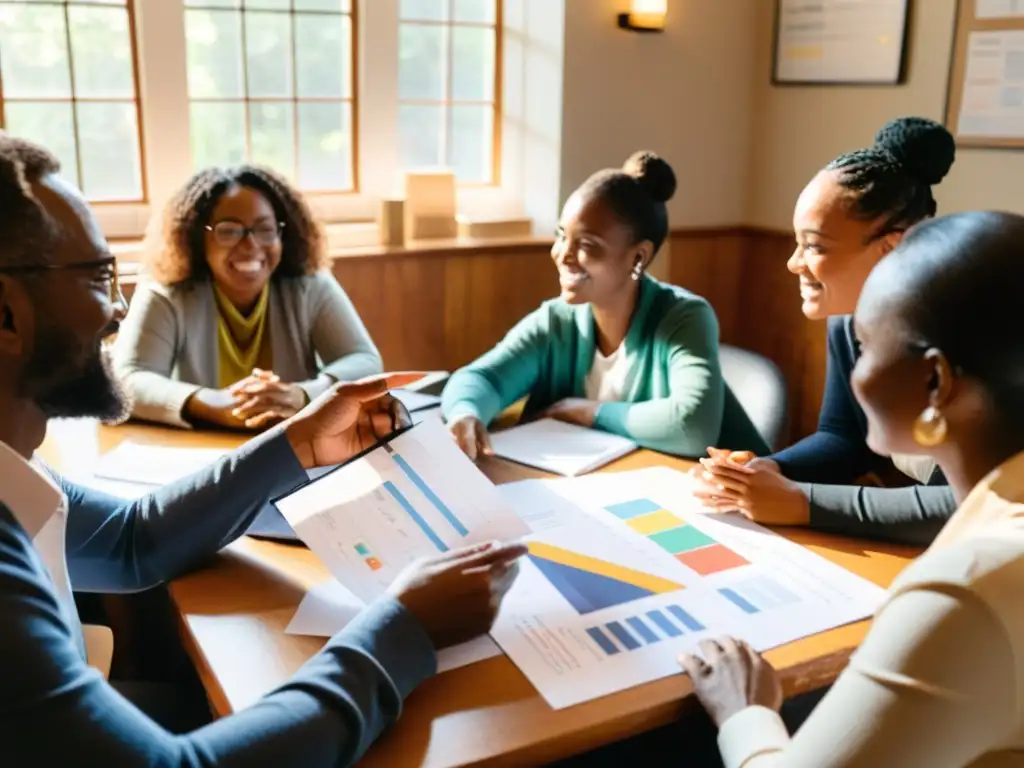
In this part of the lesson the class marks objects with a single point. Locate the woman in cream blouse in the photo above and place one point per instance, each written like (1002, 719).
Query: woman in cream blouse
(939, 681)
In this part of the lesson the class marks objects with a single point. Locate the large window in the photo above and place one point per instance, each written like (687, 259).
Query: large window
(67, 80)
(341, 96)
(271, 82)
(448, 86)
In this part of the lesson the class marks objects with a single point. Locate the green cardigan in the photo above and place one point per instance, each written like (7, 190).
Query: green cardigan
(676, 400)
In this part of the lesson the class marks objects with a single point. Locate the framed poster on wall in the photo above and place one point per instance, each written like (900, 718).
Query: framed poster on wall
(838, 42)
(985, 98)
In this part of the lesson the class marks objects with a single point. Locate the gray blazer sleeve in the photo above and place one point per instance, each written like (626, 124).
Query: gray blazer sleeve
(911, 515)
(144, 357)
(339, 337)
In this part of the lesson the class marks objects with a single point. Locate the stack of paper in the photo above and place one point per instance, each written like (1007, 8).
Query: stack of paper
(564, 449)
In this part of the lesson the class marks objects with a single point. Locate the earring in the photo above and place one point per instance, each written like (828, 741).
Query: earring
(930, 427)
(638, 271)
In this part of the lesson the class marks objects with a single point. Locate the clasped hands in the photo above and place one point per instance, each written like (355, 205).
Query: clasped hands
(755, 487)
(256, 402)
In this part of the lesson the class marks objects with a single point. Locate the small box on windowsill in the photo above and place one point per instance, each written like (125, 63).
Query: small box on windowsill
(493, 229)
(430, 205)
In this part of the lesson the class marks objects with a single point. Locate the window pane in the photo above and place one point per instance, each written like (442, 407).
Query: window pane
(33, 42)
(325, 146)
(471, 152)
(420, 130)
(277, 5)
(214, 54)
(421, 62)
(218, 133)
(49, 124)
(268, 48)
(472, 64)
(214, 3)
(101, 52)
(273, 141)
(107, 134)
(474, 10)
(433, 10)
(323, 5)
(323, 53)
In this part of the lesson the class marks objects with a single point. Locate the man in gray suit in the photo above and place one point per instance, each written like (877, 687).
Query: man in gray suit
(58, 302)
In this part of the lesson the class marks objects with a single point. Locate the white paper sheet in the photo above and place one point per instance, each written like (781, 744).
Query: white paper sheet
(565, 449)
(992, 104)
(625, 572)
(416, 401)
(416, 497)
(328, 607)
(998, 9)
(153, 465)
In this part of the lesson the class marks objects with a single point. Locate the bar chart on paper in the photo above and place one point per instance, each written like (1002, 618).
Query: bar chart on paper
(414, 497)
(616, 584)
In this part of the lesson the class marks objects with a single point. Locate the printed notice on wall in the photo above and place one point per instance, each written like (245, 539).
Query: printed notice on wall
(992, 104)
(837, 41)
(998, 9)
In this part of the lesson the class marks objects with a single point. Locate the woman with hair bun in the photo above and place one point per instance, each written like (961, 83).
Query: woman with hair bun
(853, 212)
(618, 350)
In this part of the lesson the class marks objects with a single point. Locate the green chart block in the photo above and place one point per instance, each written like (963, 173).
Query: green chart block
(681, 539)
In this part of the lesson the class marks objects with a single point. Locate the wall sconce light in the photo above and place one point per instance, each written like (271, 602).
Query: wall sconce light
(645, 16)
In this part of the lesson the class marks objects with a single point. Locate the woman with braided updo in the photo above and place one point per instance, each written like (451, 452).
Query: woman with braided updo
(853, 212)
(239, 324)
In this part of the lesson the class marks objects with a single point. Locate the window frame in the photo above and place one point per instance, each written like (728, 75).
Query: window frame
(75, 99)
(162, 101)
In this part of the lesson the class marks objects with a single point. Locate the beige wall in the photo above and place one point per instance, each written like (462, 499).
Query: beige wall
(686, 94)
(799, 129)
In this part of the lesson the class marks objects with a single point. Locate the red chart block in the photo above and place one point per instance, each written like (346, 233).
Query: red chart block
(709, 560)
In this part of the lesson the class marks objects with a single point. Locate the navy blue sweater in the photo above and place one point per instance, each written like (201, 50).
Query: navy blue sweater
(837, 454)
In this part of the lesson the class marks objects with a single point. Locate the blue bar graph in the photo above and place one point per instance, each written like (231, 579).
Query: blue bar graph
(622, 635)
(643, 630)
(425, 489)
(739, 601)
(662, 622)
(684, 618)
(603, 640)
(411, 511)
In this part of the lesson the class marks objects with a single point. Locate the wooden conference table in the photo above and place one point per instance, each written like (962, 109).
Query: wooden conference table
(233, 615)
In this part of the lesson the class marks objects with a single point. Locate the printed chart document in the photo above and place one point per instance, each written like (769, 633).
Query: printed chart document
(328, 607)
(625, 571)
(416, 496)
(565, 449)
(416, 401)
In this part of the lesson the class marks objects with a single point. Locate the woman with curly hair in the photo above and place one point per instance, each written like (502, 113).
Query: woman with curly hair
(238, 323)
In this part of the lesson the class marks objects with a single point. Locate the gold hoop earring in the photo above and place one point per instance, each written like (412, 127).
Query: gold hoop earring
(930, 427)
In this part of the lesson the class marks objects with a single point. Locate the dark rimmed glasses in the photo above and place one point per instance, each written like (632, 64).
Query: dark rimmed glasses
(228, 234)
(105, 269)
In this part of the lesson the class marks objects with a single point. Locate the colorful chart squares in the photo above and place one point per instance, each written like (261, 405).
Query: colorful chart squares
(654, 522)
(362, 550)
(630, 509)
(681, 539)
(374, 563)
(709, 560)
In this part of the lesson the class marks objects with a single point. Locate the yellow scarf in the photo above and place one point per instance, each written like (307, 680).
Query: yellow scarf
(242, 342)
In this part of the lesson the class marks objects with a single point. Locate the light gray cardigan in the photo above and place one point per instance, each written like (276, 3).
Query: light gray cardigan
(167, 346)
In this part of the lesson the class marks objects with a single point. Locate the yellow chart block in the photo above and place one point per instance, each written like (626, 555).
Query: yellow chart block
(647, 581)
(654, 522)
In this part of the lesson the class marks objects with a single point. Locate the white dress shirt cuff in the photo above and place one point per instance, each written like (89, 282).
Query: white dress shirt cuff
(750, 733)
